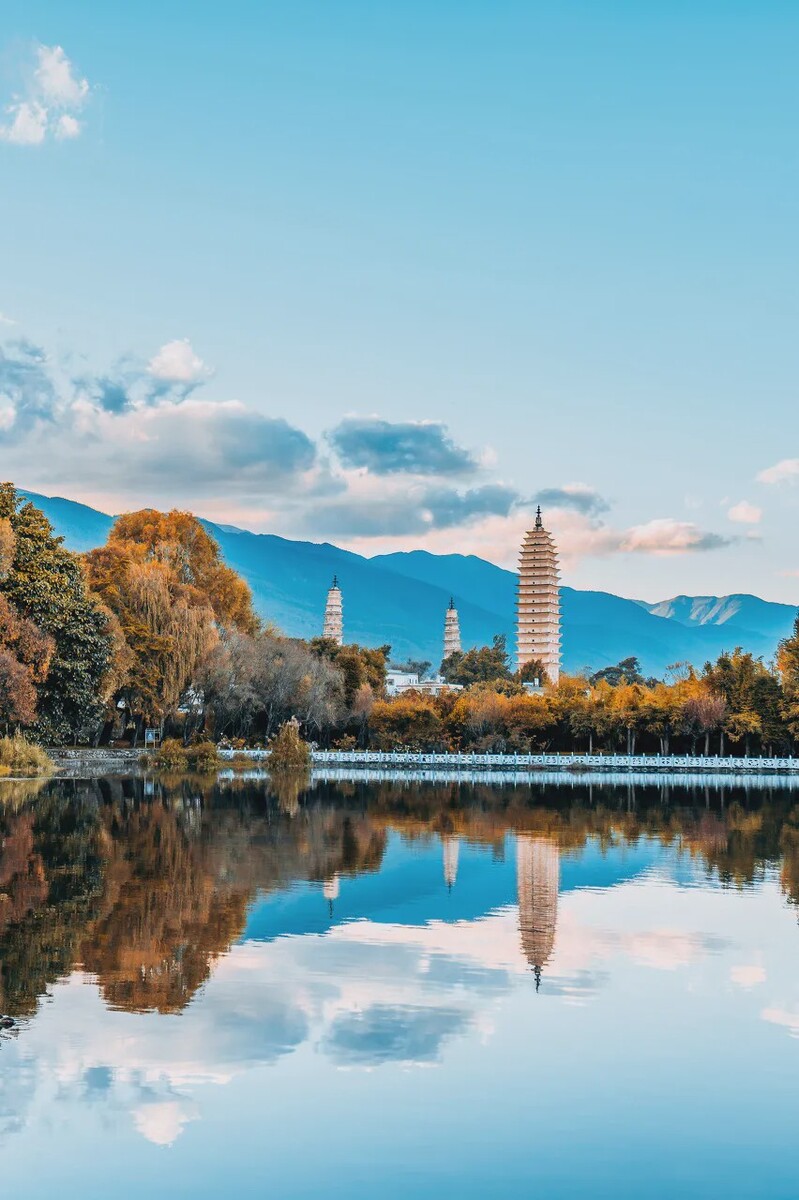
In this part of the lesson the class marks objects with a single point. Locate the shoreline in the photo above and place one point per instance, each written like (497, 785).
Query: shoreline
(339, 764)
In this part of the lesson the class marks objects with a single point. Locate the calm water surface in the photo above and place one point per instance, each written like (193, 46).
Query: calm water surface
(389, 989)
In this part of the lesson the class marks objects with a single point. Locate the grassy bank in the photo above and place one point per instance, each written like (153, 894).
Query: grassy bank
(18, 756)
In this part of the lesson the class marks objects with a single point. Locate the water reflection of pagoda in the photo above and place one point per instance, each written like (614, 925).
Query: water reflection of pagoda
(451, 847)
(537, 877)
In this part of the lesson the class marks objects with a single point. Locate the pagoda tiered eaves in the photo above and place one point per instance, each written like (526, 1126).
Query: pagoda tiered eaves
(538, 602)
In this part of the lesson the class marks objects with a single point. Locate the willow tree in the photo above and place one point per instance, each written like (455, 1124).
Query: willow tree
(162, 576)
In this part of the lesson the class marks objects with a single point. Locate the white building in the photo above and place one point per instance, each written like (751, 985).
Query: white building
(398, 682)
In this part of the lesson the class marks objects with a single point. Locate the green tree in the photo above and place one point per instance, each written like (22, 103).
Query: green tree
(358, 665)
(626, 671)
(46, 585)
(483, 664)
(788, 667)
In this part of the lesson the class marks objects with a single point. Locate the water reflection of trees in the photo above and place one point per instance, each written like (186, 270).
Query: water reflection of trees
(144, 885)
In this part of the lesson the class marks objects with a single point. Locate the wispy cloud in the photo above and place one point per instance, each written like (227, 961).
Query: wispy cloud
(744, 513)
(667, 536)
(786, 471)
(49, 104)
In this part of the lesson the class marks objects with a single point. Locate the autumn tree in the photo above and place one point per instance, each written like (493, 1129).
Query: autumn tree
(704, 713)
(25, 656)
(182, 543)
(252, 685)
(411, 720)
(163, 578)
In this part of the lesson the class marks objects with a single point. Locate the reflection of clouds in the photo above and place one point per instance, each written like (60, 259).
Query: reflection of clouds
(362, 994)
(392, 1034)
(747, 976)
(782, 1016)
(162, 1122)
(17, 1087)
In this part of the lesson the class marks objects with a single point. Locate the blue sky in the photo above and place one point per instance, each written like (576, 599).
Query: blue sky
(387, 274)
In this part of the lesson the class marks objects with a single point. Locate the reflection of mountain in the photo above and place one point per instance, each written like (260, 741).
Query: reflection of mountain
(147, 894)
(537, 879)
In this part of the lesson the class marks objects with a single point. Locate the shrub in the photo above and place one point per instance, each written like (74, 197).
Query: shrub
(174, 756)
(18, 756)
(288, 750)
(203, 757)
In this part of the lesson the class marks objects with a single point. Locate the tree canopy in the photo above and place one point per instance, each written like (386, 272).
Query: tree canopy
(64, 642)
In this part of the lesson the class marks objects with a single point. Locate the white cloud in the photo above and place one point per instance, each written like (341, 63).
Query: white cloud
(49, 102)
(744, 513)
(667, 536)
(28, 125)
(67, 127)
(782, 472)
(139, 433)
(6, 320)
(176, 362)
(56, 80)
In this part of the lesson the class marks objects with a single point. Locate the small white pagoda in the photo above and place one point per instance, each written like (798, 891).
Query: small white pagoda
(333, 627)
(452, 630)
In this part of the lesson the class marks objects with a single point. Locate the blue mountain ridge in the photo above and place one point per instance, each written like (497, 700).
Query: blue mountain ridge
(400, 599)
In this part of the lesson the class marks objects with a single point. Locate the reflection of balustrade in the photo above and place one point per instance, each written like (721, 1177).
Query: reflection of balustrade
(675, 763)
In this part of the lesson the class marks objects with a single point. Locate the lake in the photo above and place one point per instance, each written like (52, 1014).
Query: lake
(380, 989)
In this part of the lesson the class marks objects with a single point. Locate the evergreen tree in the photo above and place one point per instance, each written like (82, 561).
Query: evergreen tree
(46, 585)
(483, 664)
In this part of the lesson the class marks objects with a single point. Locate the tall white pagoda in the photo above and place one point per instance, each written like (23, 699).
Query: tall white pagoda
(333, 627)
(538, 601)
(452, 630)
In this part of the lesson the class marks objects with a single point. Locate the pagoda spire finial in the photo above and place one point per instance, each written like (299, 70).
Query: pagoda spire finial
(539, 524)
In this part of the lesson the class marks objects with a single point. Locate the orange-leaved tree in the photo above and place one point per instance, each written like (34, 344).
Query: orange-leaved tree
(162, 576)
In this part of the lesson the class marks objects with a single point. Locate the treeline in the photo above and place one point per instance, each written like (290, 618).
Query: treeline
(736, 705)
(739, 704)
(154, 630)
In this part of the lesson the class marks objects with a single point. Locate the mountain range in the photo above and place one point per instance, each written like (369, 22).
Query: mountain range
(400, 599)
